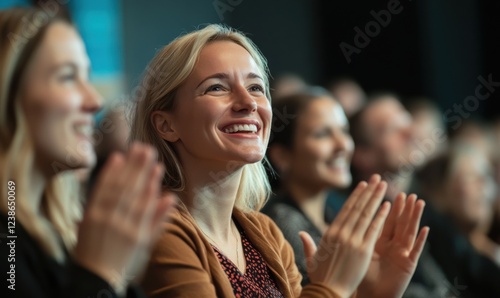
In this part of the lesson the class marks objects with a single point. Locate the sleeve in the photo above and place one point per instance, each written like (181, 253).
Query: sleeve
(20, 279)
(312, 290)
(31, 273)
(175, 268)
(84, 283)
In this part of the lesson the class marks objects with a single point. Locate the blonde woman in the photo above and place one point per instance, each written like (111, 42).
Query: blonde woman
(206, 108)
(46, 111)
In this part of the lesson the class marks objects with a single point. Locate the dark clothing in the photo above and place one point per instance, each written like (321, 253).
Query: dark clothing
(470, 273)
(257, 280)
(291, 220)
(428, 282)
(39, 275)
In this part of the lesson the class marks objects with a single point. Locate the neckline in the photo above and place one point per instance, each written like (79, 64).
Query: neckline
(244, 252)
(255, 236)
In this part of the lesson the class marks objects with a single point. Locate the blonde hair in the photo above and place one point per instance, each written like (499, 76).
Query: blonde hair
(55, 219)
(165, 73)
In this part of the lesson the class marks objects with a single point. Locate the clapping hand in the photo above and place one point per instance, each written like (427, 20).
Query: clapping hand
(124, 215)
(397, 250)
(345, 251)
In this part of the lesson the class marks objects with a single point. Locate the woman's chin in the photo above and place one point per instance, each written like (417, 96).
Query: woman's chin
(248, 156)
(341, 182)
(252, 159)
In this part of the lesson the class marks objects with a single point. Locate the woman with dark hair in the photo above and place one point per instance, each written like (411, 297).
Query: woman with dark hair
(312, 152)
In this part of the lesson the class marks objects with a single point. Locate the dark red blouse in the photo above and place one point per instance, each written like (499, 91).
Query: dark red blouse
(257, 280)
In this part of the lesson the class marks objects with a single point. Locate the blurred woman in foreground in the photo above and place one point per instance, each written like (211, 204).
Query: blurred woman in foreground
(46, 120)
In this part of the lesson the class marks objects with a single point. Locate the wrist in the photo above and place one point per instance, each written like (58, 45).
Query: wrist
(110, 276)
(337, 291)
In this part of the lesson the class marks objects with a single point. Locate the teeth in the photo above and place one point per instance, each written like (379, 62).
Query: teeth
(339, 162)
(84, 130)
(241, 128)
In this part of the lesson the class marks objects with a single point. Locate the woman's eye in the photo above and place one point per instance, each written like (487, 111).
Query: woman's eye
(321, 134)
(256, 88)
(214, 88)
(67, 77)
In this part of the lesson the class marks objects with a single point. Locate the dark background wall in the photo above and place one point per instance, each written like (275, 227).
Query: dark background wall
(432, 48)
(435, 48)
(149, 25)
(285, 31)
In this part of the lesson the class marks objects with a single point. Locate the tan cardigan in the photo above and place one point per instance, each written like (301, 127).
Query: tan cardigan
(183, 263)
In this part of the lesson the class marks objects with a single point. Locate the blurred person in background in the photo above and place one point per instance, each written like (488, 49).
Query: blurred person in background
(47, 106)
(427, 120)
(286, 84)
(312, 153)
(210, 119)
(385, 143)
(382, 132)
(477, 133)
(349, 93)
(494, 232)
(460, 184)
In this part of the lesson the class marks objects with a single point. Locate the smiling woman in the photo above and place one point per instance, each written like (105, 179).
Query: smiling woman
(312, 154)
(46, 109)
(208, 113)
(206, 108)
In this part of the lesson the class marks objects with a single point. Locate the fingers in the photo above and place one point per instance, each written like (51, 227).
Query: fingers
(309, 245)
(392, 218)
(123, 217)
(143, 207)
(121, 177)
(366, 215)
(376, 226)
(419, 244)
(346, 209)
(409, 221)
(144, 212)
(102, 197)
(356, 205)
(140, 164)
(404, 218)
(413, 224)
(129, 187)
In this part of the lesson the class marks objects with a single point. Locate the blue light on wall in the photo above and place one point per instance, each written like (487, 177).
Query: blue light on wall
(99, 22)
(9, 3)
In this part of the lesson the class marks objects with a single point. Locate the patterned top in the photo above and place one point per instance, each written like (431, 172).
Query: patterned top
(257, 280)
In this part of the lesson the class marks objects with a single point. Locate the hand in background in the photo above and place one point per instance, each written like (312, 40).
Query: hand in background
(397, 250)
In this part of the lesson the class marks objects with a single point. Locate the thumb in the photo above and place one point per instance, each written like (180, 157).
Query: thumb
(309, 245)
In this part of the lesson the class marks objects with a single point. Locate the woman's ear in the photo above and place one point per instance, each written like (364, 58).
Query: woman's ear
(162, 122)
(279, 155)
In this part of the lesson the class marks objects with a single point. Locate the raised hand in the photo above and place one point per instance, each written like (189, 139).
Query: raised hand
(124, 215)
(346, 249)
(397, 250)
